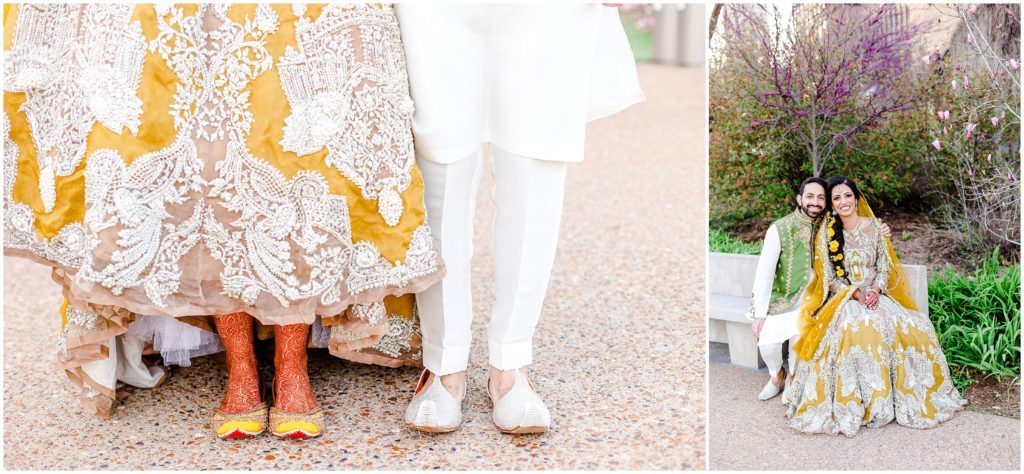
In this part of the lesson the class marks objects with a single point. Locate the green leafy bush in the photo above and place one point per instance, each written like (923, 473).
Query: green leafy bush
(754, 173)
(977, 319)
(888, 161)
(720, 241)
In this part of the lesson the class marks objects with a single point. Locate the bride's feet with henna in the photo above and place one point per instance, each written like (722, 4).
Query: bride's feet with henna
(242, 413)
(296, 413)
(292, 389)
(243, 391)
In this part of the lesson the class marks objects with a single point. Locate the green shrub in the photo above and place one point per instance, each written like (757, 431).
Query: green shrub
(720, 241)
(754, 174)
(888, 161)
(977, 319)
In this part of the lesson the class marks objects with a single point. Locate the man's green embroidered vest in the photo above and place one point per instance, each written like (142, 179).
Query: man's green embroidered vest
(794, 267)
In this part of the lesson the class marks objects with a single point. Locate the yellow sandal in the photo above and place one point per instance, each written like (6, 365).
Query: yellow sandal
(241, 425)
(290, 425)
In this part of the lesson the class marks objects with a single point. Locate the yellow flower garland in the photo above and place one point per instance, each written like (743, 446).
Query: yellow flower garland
(833, 246)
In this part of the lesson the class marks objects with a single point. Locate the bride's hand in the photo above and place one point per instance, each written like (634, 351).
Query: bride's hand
(859, 296)
(868, 298)
(863, 297)
(871, 299)
(886, 231)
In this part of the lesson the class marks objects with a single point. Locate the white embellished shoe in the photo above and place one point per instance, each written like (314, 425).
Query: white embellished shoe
(770, 390)
(521, 410)
(434, 409)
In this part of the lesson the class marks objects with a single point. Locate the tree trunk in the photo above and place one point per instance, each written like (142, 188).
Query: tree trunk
(812, 149)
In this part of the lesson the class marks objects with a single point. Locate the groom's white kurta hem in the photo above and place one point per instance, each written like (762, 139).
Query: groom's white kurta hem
(526, 78)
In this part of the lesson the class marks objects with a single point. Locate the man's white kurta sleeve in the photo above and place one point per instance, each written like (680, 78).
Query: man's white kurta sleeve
(765, 274)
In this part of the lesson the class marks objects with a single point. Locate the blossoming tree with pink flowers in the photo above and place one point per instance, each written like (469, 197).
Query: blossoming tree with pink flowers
(976, 125)
(827, 72)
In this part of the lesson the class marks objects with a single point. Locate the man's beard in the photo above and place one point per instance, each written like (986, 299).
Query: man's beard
(807, 212)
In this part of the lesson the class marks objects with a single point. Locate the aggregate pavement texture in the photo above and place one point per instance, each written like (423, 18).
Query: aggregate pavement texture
(618, 356)
(748, 434)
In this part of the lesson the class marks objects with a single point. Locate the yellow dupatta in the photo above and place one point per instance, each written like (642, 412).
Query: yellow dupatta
(818, 308)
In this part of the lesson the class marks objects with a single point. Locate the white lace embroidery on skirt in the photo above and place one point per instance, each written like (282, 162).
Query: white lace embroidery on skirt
(282, 245)
(67, 248)
(76, 64)
(349, 93)
(875, 366)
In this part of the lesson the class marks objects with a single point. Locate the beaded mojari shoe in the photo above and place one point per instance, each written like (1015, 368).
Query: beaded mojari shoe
(770, 390)
(241, 425)
(288, 425)
(434, 409)
(521, 410)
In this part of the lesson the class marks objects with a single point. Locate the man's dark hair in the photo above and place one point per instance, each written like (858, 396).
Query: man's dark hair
(812, 179)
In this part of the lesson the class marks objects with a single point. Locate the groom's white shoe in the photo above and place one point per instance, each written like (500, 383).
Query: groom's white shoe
(433, 409)
(521, 410)
(770, 390)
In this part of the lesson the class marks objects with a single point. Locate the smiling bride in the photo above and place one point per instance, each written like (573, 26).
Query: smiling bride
(866, 355)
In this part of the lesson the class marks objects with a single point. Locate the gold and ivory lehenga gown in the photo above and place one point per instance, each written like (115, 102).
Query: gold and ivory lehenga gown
(866, 367)
(174, 162)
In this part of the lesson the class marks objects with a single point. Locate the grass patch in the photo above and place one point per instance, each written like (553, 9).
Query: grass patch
(720, 241)
(977, 320)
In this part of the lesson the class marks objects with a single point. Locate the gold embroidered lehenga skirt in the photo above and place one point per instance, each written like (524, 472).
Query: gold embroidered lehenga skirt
(869, 367)
(174, 162)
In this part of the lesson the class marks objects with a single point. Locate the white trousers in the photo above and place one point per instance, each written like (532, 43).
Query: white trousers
(528, 200)
(124, 363)
(772, 355)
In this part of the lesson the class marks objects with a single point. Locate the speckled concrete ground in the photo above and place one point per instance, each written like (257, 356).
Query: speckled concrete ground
(619, 353)
(747, 434)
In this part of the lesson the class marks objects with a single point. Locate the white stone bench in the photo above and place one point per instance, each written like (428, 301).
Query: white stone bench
(730, 284)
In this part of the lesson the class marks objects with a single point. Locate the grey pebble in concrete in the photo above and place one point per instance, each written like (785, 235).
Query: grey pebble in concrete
(619, 353)
(747, 434)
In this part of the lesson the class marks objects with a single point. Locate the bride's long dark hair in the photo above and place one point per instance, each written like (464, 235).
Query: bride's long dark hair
(832, 219)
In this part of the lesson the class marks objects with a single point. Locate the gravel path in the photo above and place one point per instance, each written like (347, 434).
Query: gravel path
(747, 434)
(619, 353)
